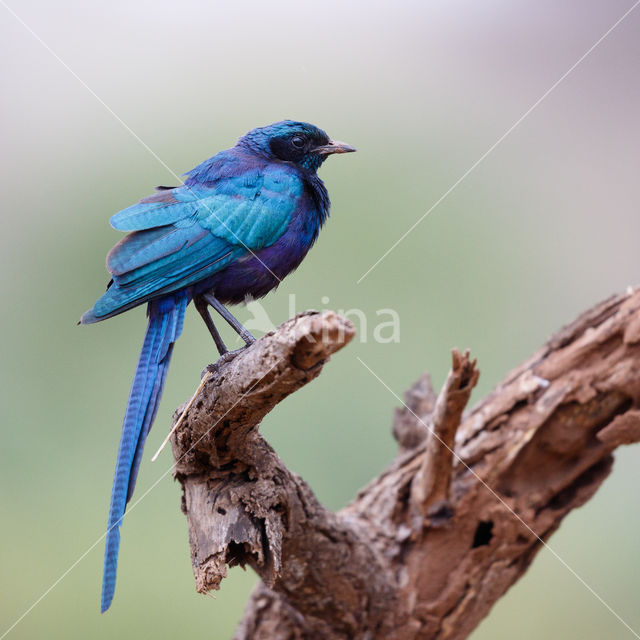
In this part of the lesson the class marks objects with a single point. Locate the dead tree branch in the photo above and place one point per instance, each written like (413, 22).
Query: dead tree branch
(432, 543)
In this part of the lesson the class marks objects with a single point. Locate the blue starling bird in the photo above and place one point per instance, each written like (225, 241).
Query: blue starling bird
(241, 222)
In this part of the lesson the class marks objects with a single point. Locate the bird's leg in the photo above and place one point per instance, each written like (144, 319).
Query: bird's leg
(235, 325)
(201, 305)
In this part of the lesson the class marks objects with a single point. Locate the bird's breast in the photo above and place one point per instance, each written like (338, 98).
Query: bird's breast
(258, 272)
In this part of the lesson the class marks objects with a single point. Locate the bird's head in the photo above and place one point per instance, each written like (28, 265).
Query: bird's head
(301, 143)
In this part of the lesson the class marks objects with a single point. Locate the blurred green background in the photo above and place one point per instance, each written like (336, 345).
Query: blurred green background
(544, 227)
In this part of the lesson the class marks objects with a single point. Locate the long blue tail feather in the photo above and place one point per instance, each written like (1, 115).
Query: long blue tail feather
(166, 317)
(163, 355)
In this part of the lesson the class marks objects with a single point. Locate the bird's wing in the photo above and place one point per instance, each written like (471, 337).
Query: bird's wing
(162, 208)
(248, 209)
(186, 235)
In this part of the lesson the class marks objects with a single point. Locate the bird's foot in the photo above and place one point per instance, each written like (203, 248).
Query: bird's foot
(226, 357)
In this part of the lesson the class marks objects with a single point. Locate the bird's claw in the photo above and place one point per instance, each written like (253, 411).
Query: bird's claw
(223, 359)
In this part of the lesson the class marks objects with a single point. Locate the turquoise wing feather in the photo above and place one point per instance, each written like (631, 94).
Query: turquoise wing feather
(185, 235)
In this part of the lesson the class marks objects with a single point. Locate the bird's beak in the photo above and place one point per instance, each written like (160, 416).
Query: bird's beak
(334, 147)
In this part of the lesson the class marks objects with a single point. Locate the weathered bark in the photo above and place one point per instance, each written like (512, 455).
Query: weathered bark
(430, 545)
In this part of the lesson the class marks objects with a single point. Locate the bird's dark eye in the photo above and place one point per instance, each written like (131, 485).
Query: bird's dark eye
(297, 142)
